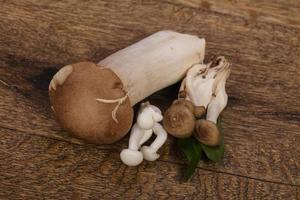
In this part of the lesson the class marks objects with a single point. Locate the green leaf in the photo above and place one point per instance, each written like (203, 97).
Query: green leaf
(193, 152)
(215, 153)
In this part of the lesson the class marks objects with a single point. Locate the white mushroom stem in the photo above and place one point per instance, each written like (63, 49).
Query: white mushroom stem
(200, 81)
(161, 137)
(155, 62)
(132, 156)
(220, 97)
(150, 152)
(139, 135)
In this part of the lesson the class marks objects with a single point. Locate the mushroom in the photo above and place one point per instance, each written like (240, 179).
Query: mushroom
(200, 81)
(196, 88)
(206, 131)
(94, 101)
(142, 130)
(150, 152)
(179, 119)
(199, 111)
(132, 156)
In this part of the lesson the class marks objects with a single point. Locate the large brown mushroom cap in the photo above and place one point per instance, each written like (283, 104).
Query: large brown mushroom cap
(77, 110)
(179, 119)
(207, 132)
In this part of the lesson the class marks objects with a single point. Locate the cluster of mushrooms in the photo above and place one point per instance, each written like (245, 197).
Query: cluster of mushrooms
(201, 99)
(94, 102)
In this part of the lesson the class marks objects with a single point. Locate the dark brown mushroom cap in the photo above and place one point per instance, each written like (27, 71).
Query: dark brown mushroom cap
(77, 110)
(199, 111)
(207, 132)
(179, 119)
(186, 103)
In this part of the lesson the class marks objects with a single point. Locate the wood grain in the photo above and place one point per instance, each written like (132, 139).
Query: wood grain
(45, 168)
(261, 123)
(270, 149)
(273, 12)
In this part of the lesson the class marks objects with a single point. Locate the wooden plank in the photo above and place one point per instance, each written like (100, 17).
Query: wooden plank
(37, 168)
(262, 121)
(284, 13)
(63, 33)
(57, 45)
(267, 151)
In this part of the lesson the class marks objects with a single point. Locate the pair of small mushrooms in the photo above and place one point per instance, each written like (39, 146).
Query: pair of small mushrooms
(201, 99)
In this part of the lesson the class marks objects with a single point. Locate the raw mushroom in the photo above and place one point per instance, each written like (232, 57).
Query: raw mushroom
(200, 81)
(206, 131)
(220, 97)
(179, 119)
(142, 130)
(196, 88)
(94, 101)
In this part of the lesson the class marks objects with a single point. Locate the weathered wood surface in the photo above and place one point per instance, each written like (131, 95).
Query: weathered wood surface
(60, 170)
(261, 123)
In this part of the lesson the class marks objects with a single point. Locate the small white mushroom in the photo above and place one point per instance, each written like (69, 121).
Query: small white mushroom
(147, 123)
(150, 152)
(132, 156)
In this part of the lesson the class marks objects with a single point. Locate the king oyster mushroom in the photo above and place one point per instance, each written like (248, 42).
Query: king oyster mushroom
(94, 101)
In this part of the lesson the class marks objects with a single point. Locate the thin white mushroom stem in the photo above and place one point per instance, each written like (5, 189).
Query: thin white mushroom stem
(139, 134)
(132, 156)
(220, 97)
(136, 136)
(213, 111)
(161, 137)
(150, 152)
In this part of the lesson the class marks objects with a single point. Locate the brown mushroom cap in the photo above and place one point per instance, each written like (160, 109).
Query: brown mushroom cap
(78, 111)
(207, 132)
(199, 111)
(179, 119)
(186, 103)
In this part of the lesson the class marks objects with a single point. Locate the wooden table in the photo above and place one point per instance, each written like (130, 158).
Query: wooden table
(261, 123)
